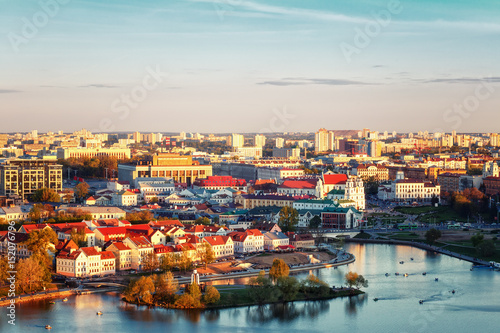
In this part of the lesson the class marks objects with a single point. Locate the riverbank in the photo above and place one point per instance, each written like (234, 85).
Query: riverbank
(46, 295)
(419, 245)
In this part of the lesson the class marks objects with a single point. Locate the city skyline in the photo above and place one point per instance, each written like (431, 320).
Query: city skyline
(235, 66)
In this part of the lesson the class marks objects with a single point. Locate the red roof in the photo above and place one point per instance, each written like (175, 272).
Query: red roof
(120, 246)
(305, 184)
(333, 179)
(176, 223)
(215, 240)
(90, 251)
(107, 255)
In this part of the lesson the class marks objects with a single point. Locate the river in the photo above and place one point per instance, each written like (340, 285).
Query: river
(474, 307)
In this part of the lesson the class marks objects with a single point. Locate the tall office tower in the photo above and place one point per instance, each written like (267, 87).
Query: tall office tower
(136, 137)
(237, 140)
(260, 140)
(324, 140)
(280, 142)
(494, 140)
(34, 134)
(366, 132)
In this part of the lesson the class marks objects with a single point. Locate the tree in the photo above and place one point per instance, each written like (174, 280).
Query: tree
(434, 200)
(30, 275)
(211, 295)
(279, 269)
(150, 262)
(36, 213)
(206, 254)
(140, 291)
(166, 262)
(39, 241)
(82, 190)
(185, 261)
(203, 220)
(78, 236)
(354, 279)
(315, 222)
(45, 195)
(432, 235)
(486, 248)
(166, 287)
(289, 287)
(288, 219)
(477, 239)
(153, 200)
(4, 268)
(262, 289)
(371, 185)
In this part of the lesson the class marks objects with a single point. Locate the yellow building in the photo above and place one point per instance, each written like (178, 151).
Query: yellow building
(180, 168)
(24, 176)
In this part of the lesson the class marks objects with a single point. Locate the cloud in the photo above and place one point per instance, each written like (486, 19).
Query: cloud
(231, 5)
(9, 91)
(491, 79)
(308, 81)
(97, 85)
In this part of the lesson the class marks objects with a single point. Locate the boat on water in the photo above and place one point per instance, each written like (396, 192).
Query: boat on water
(401, 262)
(386, 274)
(375, 299)
(436, 279)
(48, 327)
(396, 274)
(411, 258)
(65, 300)
(99, 313)
(405, 275)
(424, 273)
(421, 301)
(453, 291)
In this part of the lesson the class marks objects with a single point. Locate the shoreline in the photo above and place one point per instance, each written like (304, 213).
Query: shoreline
(338, 293)
(418, 245)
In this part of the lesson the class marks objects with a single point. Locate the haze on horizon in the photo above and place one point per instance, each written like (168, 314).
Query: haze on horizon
(239, 66)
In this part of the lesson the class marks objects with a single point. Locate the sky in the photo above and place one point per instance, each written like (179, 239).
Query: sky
(249, 66)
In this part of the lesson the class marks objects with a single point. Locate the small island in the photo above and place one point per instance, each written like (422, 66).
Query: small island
(164, 291)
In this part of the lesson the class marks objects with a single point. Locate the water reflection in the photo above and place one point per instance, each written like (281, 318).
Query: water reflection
(285, 312)
(353, 303)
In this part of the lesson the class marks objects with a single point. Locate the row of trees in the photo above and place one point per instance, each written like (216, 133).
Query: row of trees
(163, 290)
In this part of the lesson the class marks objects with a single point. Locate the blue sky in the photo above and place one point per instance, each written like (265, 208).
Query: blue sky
(232, 64)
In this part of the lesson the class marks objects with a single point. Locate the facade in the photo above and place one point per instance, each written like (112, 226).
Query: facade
(367, 171)
(119, 153)
(260, 140)
(492, 185)
(249, 201)
(222, 246)
(289, 153)
(87, 261)
(415, 190)
(180, 168)
(355, 191)
(24, 176)
(311, 187)
(340, 218)
(123, 255)
(273, 240)
(99, 213)
(140, 247)
(124, 198)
